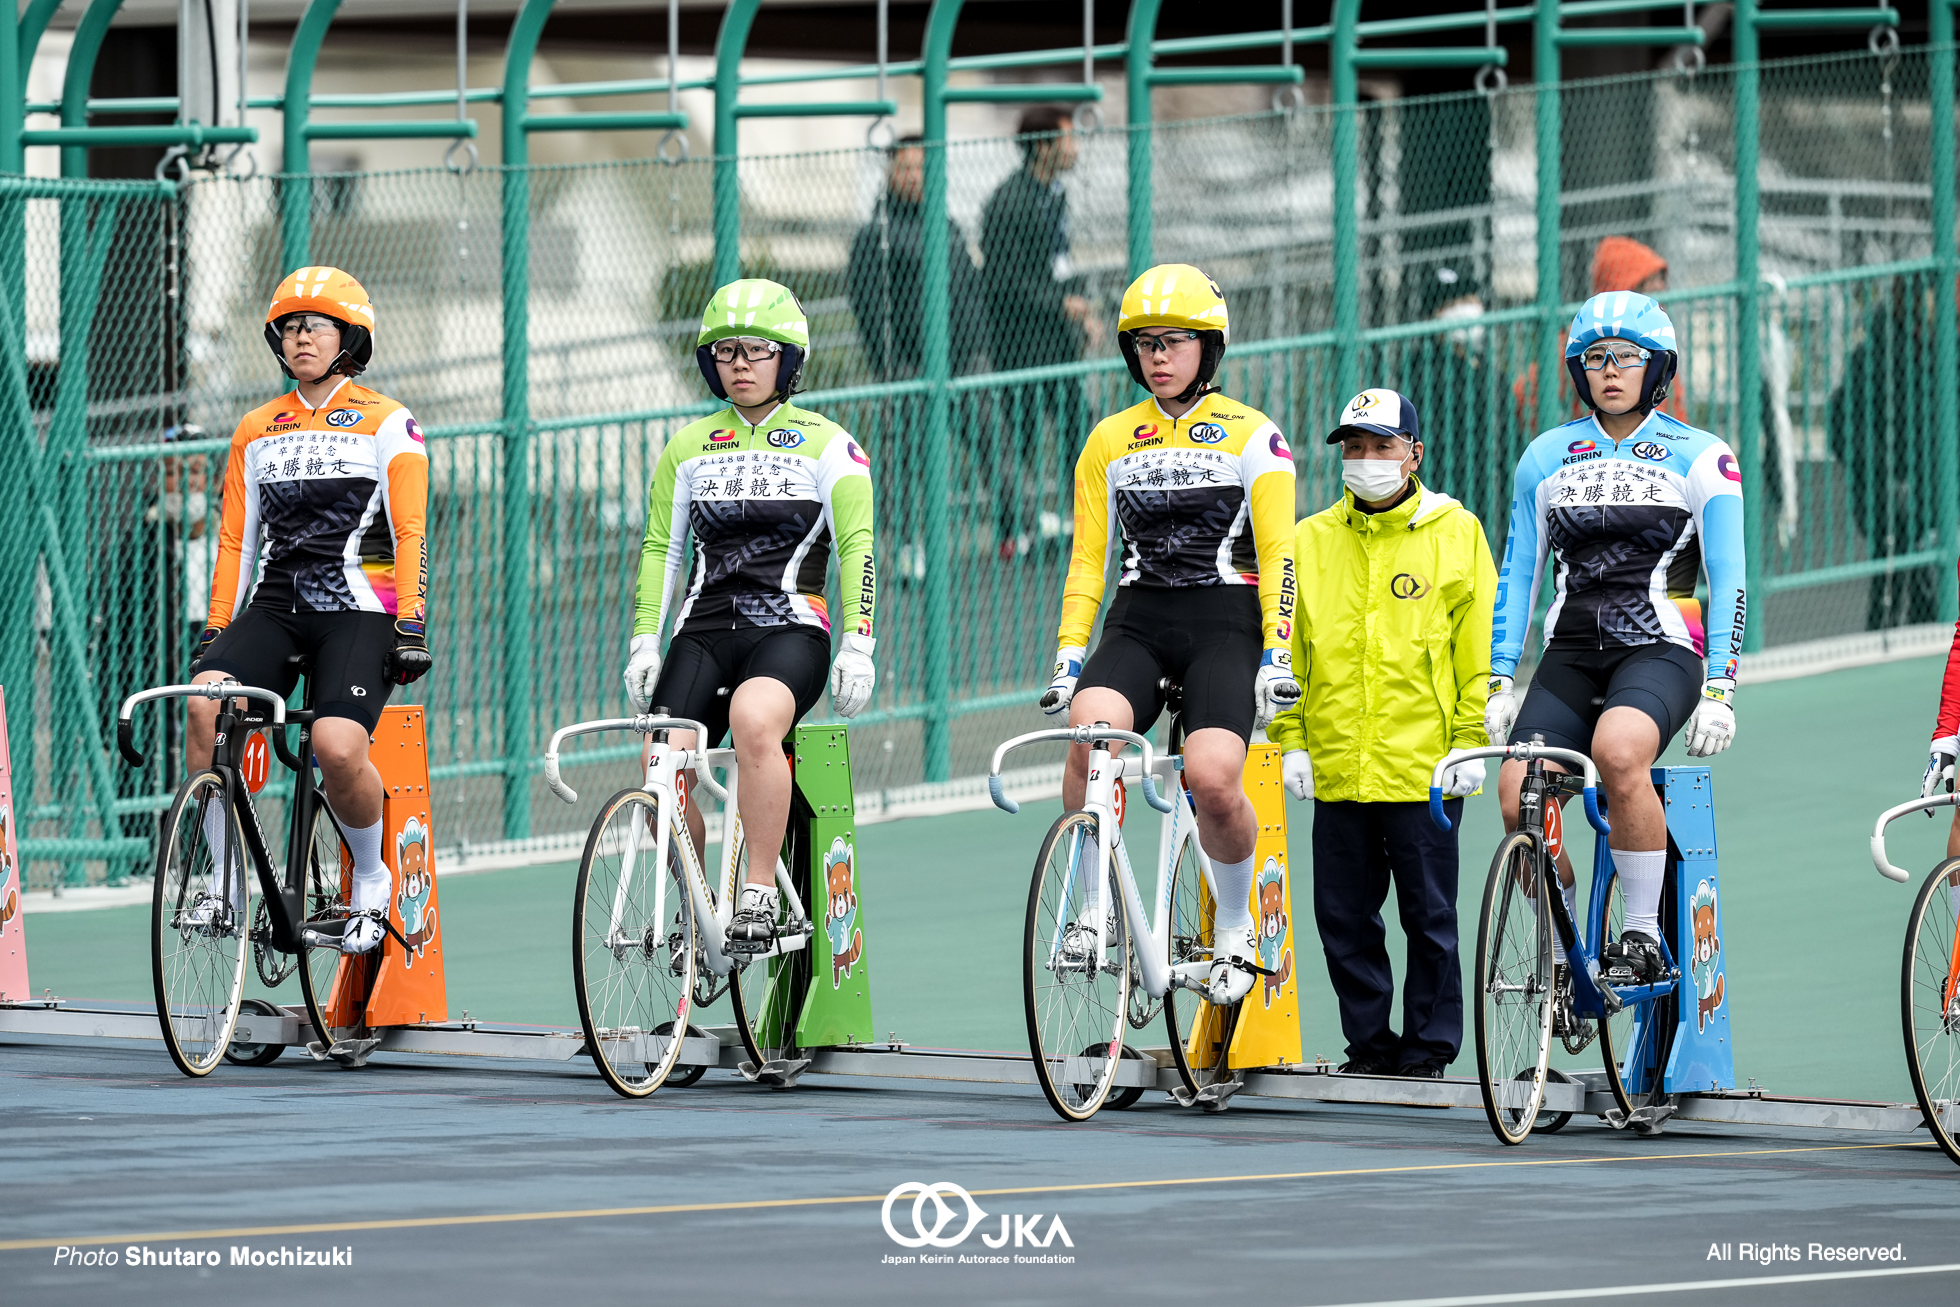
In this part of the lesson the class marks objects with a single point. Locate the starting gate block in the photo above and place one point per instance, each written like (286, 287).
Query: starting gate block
(13, 884)
(1702, 1056)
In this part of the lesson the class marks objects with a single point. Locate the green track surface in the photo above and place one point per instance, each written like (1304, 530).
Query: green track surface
(1812, 935)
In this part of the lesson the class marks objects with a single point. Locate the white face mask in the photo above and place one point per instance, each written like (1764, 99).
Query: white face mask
(1373, 479)
(179, 507)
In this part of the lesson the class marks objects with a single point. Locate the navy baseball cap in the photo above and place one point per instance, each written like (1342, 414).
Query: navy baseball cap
(1379, 412)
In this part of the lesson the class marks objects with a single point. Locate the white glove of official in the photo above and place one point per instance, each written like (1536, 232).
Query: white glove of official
(1712, 728)
(1463, 779)
(1274, 690)
(852, 676)
(1501, 713)
(1939, 768)
(1296, 769)
(1068, 670)
(642, 670)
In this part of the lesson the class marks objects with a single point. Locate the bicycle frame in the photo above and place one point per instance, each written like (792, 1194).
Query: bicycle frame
(284, 903)
(661, 780)
(1159, 976)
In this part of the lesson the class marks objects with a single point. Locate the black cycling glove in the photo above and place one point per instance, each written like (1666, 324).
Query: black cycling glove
(203, 647)
(409, 660)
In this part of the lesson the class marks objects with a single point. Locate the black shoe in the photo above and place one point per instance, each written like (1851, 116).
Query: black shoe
(1633, 959)
(1422, 1071)
(1365, 1065)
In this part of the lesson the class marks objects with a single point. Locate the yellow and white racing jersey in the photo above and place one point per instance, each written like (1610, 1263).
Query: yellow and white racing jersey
(1205, 499)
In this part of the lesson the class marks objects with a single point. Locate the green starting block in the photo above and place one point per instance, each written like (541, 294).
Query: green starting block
(820, 996)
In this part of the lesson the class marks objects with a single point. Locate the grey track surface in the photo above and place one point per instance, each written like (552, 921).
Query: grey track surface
(1294, 1204)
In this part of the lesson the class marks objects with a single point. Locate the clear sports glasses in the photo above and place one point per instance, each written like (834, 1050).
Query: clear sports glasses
(1161, 342)
(1624, 357)
(309, 324)
(725, 351)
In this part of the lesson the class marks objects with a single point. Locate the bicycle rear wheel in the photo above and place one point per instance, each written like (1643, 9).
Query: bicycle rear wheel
(1514, 989)
(1076, 994)
(634, 947)
(1185, 1009)
(334, 984)
(198, 970)
(768, 992)
(1930, 999)
(1633, 1042)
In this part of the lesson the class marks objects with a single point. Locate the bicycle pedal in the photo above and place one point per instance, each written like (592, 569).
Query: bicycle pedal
(776, 1073)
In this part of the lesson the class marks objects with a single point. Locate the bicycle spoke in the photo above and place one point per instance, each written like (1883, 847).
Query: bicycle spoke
(1932, 1006)
(1077, 970)
(200, 927)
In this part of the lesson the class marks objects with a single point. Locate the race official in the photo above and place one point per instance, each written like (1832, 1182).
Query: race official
(1392, 652)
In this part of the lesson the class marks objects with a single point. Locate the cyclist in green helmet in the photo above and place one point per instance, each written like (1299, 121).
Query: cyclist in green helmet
(768, 491)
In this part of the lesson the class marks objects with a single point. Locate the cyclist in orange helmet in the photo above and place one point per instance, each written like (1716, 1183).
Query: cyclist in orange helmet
(321, 552)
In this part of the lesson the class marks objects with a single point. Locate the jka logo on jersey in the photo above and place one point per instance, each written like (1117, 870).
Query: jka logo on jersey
(344, 417)
(784, 438)
(1652, 451)
(1207, 433)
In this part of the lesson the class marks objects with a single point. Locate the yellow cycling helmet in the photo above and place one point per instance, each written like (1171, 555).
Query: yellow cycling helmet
(1175, 295)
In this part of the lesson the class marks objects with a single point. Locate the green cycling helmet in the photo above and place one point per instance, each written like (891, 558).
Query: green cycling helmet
(763, 310)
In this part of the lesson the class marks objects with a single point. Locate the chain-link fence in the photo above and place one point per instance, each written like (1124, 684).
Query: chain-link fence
(139, 342)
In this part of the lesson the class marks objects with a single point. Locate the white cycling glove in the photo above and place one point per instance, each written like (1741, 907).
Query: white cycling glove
(1068, 670)
(1296, 769)
(1463, 779)
(642, 670)
(1501, 712)
(1712, 728)
(1274, 691)
(852, 676)
(1939, 768)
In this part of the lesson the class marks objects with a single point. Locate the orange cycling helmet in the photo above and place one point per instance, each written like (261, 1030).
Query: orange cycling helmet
(334, 294)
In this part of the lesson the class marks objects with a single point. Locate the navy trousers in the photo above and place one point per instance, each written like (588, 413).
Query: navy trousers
(1357, 849)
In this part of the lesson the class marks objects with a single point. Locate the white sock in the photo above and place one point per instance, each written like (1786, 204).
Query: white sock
(217, 828)
(772, 895)
(1572, 910)
(371, 879)
(1232, 916)
(1641, 876)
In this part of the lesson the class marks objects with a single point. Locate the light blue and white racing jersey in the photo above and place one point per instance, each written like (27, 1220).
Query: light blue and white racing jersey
(1631, 526)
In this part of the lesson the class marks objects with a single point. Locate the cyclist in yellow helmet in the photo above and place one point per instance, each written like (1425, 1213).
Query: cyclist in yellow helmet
(1200, 489)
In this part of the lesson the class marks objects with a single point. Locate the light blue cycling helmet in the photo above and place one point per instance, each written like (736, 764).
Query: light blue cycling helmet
(1624, 315)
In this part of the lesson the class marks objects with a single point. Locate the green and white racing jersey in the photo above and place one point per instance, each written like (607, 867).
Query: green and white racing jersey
(765, 504)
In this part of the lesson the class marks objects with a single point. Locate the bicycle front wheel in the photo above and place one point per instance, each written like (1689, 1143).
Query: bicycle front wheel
(1514, 989)
(633, 945)
(334, 984)
(1195, 1044)
(1931, 1002)
(1076, 985)
(198, 966)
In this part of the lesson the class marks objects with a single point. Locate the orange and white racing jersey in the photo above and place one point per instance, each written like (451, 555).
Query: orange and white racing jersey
(324, 509)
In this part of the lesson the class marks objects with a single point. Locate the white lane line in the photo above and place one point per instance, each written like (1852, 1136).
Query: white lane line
(1678, 1286)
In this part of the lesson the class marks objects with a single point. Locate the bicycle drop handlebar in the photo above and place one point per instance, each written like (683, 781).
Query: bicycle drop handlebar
(1890, 815)
(125, 730)
(1523, 752)
(1076, 735)
(645, 724)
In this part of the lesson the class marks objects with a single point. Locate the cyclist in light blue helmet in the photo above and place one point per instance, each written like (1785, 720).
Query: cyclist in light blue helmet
(1633, 507)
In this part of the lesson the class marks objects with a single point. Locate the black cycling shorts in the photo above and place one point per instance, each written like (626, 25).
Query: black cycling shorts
(1572, 687)
(1206, 639)
(349, 653)
(701, 664)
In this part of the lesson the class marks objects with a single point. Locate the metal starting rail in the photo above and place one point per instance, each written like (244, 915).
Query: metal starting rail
(1582, 1095)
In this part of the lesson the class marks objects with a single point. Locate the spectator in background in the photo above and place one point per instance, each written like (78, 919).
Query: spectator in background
(1618, 263)
(1447, 379)
(1038, 315)
(1885, 399)
(886, 281)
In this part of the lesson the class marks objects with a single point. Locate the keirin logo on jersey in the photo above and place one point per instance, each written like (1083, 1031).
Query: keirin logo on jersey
(933, 1230)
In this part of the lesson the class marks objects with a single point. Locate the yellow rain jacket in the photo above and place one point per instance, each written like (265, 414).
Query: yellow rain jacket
(1391, 646)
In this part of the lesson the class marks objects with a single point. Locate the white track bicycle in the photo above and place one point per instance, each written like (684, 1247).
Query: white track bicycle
(1081, 956)
(648, 927)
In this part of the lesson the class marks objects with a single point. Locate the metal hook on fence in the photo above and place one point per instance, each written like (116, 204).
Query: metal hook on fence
(462, 94)
(1087, 116)
(1491, 80)
(251, 159)
(1883, 41)
(465, 144)
(176, 159)
(1689, 61)
(676, 139)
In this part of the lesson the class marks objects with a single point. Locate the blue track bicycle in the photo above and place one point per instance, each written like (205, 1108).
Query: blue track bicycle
(1524, 1000)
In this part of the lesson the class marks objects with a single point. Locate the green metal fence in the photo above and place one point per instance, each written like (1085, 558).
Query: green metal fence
(132, 320)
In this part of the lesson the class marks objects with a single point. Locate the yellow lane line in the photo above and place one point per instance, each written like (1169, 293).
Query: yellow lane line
(595, 1213)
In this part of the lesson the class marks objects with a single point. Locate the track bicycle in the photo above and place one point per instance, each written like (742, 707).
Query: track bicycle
(1081, 956)
(649, 929)
(203, 919)
(1929, 981)
(1523, 999)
